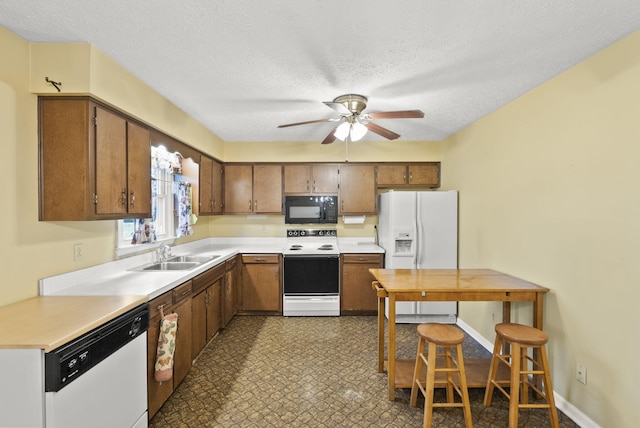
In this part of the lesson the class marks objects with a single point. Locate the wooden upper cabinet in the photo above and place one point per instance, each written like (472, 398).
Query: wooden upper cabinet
(138, 169)
(267, 189)
(311, 179)
(253, 189)
(358, 193)
(94, 162)
(238, 189)
(210, 186)
(409, 175)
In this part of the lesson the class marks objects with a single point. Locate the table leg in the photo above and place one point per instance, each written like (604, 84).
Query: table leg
(506, 317)
(391, 365)
(380, 334)
(537, 323)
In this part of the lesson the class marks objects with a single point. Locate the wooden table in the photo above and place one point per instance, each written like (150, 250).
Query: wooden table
(462, 285)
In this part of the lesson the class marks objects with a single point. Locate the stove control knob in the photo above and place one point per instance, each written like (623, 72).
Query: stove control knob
(302, 233)
(320, 233)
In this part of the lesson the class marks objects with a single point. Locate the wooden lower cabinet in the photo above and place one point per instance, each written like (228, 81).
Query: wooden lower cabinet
(261, 283)
(179, 301)
(206, 307)
(356, 295)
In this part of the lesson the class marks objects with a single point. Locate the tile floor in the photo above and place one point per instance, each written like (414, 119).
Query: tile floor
(267, 371)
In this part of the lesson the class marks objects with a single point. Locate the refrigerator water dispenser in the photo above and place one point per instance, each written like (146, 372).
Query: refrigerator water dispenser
(403, 244)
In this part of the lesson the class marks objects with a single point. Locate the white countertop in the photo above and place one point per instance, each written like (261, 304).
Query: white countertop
(118, 278)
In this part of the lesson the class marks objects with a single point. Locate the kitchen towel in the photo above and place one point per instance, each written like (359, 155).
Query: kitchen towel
(166, 347)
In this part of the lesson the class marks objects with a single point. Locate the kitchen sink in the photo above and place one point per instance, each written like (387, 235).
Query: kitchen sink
(162, 266)
(176, 263)
(189, 259)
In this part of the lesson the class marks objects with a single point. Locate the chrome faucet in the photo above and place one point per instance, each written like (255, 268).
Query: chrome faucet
(163, 252)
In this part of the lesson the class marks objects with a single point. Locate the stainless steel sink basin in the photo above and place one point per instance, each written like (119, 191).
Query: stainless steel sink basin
(195, 259)
(163, 266)
(176, 263)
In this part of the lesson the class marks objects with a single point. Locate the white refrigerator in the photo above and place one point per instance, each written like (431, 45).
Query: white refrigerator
(419, 230)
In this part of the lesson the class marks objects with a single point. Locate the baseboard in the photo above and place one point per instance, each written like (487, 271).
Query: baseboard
(567, 408)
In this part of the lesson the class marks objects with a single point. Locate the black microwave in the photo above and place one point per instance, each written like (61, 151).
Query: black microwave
(310, 209)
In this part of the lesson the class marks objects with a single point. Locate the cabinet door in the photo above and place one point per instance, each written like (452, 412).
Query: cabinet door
(198, 323)
(213, 308)
(216, 187)
(182, 354)
(139, 170)
(261, 284)
(392, 175)
(424, 175)
(238, 189)
(297, 179)
(205, 183)
(357, 296)
(157, 392)
(267, 189)
(357, 190)
(110, 163)
(325, 179)
(230, 293)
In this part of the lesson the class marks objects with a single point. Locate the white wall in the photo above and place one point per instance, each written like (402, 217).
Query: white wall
(549, 193)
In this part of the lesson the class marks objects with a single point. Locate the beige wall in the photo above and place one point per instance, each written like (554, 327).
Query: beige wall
(549, 193)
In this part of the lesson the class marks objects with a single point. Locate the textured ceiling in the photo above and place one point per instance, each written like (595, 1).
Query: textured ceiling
(244, 67)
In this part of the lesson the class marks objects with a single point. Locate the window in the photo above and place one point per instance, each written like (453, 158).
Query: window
(132, 233)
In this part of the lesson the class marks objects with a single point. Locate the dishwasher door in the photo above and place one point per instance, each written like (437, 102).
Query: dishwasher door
(111, 394)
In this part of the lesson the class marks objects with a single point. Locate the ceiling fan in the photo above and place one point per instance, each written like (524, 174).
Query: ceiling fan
(353, 124)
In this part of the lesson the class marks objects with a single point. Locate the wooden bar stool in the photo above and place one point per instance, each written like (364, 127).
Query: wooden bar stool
(520, 338)
(446, 337)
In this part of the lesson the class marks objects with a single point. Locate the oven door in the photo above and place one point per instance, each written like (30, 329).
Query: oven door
(311, 275)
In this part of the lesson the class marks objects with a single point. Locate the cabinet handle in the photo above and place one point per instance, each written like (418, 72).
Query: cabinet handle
(185, 292)
(124, 198)
(133, 199)
(255, 205)
(314, 185)
(213, 204)
(410, 177)
(259, 259)
(250, 204)
(404, 177)
(308, 186)
(362, 259)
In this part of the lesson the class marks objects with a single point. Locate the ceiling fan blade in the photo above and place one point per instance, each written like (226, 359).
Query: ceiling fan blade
(339, 107)
(331, 137)
(405, 114)
(305, 123)
(389, 135)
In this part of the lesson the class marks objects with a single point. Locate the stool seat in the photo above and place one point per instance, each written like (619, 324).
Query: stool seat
(519, 338)
(441, 334)
(446, 337)
(523, 334)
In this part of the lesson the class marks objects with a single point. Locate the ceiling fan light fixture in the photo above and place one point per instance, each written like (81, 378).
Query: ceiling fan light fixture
(358, 131)
(342, 131)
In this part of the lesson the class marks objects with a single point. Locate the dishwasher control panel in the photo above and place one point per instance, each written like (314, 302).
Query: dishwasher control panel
(66, 363)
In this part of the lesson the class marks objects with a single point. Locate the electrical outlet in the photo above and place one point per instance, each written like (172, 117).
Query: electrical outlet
(581, 373)
(78, 252)
(493, 317)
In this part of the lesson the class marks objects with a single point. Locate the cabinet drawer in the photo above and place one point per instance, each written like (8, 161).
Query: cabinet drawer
(163, 301)
(207, 278)
(260, 258)
(362, 258)
(182, 291)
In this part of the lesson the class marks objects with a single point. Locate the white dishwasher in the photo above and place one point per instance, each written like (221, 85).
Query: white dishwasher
(98, 380)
